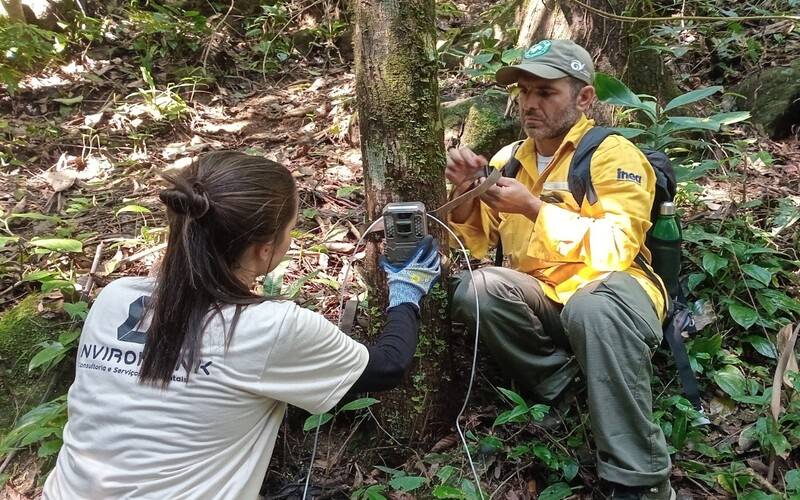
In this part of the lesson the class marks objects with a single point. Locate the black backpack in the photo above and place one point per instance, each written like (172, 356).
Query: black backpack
(579, 180)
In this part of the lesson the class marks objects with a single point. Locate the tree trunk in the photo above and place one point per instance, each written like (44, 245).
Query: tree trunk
(403, 158)
(613, 44)
(12, 9)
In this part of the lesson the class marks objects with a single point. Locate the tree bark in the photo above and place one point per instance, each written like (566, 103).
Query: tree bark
(13, 10)
(403, 158)
(613, 44)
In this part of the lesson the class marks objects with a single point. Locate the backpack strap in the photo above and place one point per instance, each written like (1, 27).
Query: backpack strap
(680, 320)
(510, 169)
(579, 178)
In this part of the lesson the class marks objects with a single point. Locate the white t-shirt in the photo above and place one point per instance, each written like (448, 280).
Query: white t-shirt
(542, 162)
(210, 437)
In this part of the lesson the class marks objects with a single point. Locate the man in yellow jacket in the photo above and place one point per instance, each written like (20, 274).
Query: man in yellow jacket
(573, 299)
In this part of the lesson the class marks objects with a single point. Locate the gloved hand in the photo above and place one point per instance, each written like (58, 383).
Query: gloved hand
(410, 281)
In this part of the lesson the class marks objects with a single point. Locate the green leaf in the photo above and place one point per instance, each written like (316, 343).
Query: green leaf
(538, 412)
(762, 345)
(347, 191)
(33, 216)
(713, 263)
(742, 314)
(513, 396)
(483, 58)
(679, 425)
(511, 416)
(315, 421)
(41, 275)
(444, 491)
(774, 300)
(613, 91)
(77, 310)
(407, 483)
(570, 469)
(4, 240)
(50, 285)
(757, 272)
(67, 338)
(758, 495)
(695, 279)
(297, 286)
(731, 380)
(390, 471)
(511, 56)
(49, 448)
(38, 434)
(628, 132)
(359, 404)
(52, 351)
(136, 209)
(693, 96)
(375, 492)
(445, 473)
(58, 244)
(556, 492)
(792, 479)
(713, 123)
(685, 174)
(710, 345)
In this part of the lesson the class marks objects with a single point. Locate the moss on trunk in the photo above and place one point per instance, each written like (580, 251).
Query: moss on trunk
(21, 330)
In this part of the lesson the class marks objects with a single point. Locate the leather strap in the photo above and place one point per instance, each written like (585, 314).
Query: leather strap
(473, 193)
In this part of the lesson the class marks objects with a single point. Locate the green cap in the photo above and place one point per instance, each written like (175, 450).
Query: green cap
(551, 59)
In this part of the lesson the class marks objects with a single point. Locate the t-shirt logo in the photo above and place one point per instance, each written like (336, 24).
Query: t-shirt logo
(127, 331)
(539, 49)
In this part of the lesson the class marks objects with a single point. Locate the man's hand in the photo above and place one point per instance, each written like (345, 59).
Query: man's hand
(462, 164)
(510, 196)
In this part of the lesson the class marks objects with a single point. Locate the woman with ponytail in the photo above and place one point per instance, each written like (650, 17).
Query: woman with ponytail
(182, 380)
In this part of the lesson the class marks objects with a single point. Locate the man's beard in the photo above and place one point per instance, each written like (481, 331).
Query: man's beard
(557, 128)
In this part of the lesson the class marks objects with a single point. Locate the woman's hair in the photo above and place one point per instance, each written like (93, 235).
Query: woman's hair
(217, 208)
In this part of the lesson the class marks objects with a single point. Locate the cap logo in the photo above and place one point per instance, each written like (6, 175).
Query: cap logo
(577, 65)
(537, 50)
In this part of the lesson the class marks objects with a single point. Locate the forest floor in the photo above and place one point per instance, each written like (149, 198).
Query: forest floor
(86, 139)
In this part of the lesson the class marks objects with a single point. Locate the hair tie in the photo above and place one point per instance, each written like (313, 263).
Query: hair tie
(203, 207)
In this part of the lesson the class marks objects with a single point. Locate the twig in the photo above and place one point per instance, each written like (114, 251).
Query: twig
(207, 48)
(763, 481)
(15, 285)
(509, 478)
(143, 253)
(633, 19)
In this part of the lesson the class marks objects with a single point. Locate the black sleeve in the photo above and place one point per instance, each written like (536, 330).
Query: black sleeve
(391, 355)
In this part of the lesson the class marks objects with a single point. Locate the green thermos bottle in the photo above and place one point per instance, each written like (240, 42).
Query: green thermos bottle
(664, 242)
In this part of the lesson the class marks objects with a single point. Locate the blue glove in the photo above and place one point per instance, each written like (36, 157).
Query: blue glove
(410, 281)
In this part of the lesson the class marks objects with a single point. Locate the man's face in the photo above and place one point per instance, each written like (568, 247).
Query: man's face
(548, 108)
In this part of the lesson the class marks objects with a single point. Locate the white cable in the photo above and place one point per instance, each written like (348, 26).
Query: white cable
(474, 356)
(338, 324)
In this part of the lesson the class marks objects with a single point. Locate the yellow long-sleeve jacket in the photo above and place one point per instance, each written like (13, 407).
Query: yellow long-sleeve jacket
(569, 245)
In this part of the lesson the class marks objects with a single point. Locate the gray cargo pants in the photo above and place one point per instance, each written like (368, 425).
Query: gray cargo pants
(608, 330)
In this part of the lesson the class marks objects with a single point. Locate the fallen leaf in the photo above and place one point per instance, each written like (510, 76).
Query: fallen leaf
(784, 335)
(93, 120)
(786, 352)
(61, 180)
